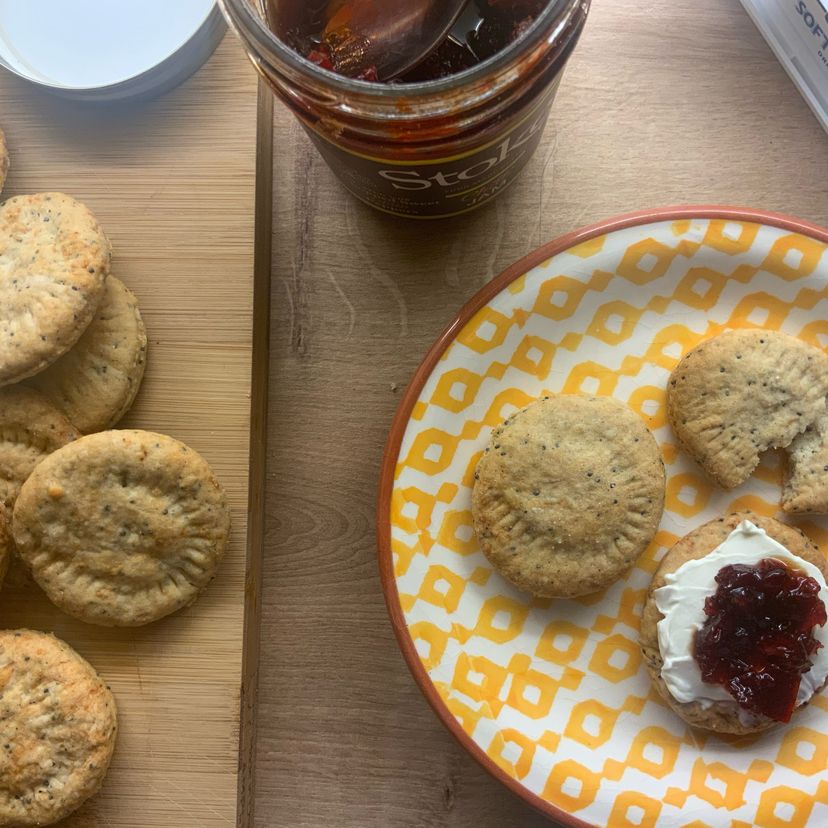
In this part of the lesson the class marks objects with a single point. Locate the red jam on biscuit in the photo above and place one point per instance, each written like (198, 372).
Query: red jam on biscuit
(758, 638)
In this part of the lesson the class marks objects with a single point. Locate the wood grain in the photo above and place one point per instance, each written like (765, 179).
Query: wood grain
(258, 458)
(663, 103)
(172, 181)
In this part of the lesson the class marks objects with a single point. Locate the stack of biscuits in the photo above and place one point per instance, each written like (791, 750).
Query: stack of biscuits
(118, 527)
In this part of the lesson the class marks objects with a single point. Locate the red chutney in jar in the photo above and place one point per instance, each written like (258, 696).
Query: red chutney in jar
(498, 24)
(486, 28)
(425, 148)
(758, 638)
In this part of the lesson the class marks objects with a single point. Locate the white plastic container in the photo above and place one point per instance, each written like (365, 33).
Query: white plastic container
(797, 31)
(108, 50)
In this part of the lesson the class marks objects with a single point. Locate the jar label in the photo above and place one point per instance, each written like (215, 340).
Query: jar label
(441, 187)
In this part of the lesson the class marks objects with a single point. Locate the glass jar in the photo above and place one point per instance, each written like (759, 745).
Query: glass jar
(423, 150)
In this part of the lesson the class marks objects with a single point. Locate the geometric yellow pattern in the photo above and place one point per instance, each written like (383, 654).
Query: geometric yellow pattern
(554, 692)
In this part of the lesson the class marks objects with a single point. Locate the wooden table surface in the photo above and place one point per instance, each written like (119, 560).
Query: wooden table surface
(663, 103)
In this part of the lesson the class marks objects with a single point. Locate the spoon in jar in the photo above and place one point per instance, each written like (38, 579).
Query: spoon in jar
(381, 39)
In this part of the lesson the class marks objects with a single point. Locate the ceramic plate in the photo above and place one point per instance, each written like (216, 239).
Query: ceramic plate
(551, 696)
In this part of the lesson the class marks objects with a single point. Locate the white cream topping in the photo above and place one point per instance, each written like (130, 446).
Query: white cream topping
(681, 602)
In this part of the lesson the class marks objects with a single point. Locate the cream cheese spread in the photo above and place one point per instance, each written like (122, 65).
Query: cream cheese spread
(681, 602)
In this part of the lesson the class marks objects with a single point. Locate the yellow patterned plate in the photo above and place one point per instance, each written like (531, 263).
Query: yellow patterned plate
(551, 696)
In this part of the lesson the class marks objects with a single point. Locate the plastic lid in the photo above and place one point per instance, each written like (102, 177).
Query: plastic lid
(797, 31)
(95, 44)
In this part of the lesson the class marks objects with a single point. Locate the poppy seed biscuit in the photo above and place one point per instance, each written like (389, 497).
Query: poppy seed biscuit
(806, 484)
(719, 716)
(121, 528)
(31, 428)
(58, 726)
(743, 392)
(4, 160)
(96, 381)
(568, 494)
(54, 260)
(6, 546)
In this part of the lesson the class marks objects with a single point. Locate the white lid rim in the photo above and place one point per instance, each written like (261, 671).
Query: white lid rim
(195, 51)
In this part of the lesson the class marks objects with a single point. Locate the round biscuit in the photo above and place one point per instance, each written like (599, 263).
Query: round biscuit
(58, 725)
(31, 428)
(96, 381)
(720, 716)
(54, 260)
(741, 393)
(121, 528)
(567, 495)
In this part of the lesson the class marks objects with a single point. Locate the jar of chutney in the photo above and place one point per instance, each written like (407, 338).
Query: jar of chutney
(445, 138)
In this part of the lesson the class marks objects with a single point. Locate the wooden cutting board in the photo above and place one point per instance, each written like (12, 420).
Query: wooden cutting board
(173, 183)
